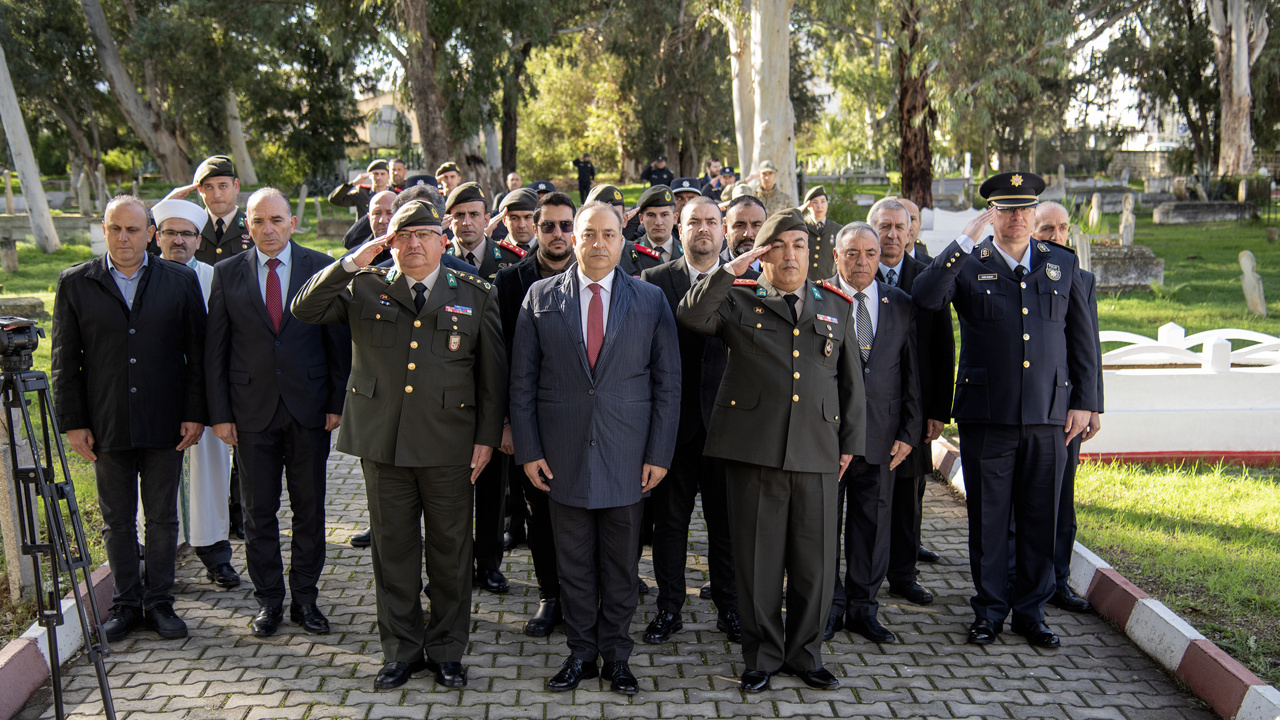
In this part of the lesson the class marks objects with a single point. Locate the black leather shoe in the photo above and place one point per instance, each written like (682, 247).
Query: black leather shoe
(644, 588)
(362, 539)
(237, 529)
(449, 674)
(730, 624)
(166, 622)
(1067, 599)
(662, 627)
(1036, 633)
(508, 542)
(223, 576)
(267, 621)
(309, 617)
(620, 678)
(572, 672)
(983, 632)
(395, 674)
(124, 620)
(912, 593)
(924, 554)
(818, 679)
(545, 620)
(868, 626)
(755, 681)
(835, 621)
(492, 580)
(704, 592)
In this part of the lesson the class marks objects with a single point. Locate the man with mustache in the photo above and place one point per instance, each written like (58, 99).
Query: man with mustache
(742, 222)
(635, 258)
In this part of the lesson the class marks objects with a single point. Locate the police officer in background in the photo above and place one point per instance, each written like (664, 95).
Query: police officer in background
(657, 173)
(1025, 388)
(789, 417)
(586, 175)
(822, 234)
(514, 220)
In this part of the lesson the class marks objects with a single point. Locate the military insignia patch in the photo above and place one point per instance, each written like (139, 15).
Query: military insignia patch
(761, 292)
(1053, 271)
(384, 300)
(666, 196)
(1016, 181)
(988, 276)
(986, 253)
(1042, 247)
(758, 310)
(816, 295)
(453, 281)
(828, 348)
(617, 195)
(457, 309)
(455, 341)
(828, 318)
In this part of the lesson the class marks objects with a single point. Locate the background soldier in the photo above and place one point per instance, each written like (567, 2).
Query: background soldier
(448, 177)
(586, 175)
(356, 193)
(656, 208)
(657, 173)
(822, 234)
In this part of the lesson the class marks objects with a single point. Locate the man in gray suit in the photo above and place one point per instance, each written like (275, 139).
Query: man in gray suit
(883, 320)
(596, 363)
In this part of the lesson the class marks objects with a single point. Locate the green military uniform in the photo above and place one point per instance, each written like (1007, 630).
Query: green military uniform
(495, 255)
(235, 235)
(348, 195)
(822, 240)
(790, 404)
(660, 196)
(425, 387)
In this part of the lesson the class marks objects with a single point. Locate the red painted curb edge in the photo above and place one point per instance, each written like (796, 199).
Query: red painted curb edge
(1213, 675)
(23, 667)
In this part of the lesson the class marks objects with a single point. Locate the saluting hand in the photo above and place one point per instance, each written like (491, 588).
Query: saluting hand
(900, 451)
(974, 227)
(180, 193)
(480, 455)
(495, 221)
(371, 248)
(191, 432)
(651, 476)
(740, 264)
(537, 470)
(629, 215)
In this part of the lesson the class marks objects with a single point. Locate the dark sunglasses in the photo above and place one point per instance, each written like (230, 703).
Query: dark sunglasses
(549, 226)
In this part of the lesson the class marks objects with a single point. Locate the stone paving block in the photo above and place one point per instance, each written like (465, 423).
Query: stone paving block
(817, 709)
(501, 712)
(337, 711)
(379, 711)
(274, 713)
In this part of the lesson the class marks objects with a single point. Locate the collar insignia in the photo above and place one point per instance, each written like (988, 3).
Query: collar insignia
(759, 310)
(986, 253)
(761, 292)
(816, 295)
(1042, 247)
(453, 281)
(1053, 271)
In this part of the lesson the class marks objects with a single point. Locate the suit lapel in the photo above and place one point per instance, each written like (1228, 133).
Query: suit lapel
(398, 289)
(994, 260)
(810, 308)
(249, 276)
(883, 320)
(1038, 258)
(571, 311)
(619, 304)
(680, 277)
(298, 276)
(100, 272)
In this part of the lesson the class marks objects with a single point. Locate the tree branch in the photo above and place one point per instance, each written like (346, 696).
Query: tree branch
(841, 28)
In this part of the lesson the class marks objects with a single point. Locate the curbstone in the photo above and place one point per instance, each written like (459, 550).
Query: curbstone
(1216, 677)
(1261, 702)
(1161, 633)
(22, 671)
(1084, 565)
(1114, 596)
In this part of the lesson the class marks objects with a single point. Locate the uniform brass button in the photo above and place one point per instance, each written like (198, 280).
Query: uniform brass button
(455, 327)
(462, 405)
(733, 402)
(830, 335)
(1024, 311)
(948, 264)
(353, 389)
(795, 331)
(988, 292)
(417, 323)
(219, 251)
(1055, 292)
(408, 388)
(757, 324)
(413, 366)
(795, 398)
(1026, 363)
(795, 375)
(378, 316)
(1024, 286)
(795, 353)
(815, 264)
(837, 417)
(413, 344)
(1026, 336)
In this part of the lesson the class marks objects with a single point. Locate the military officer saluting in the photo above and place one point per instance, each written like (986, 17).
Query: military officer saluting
(635, 258)
(469, 211)
(822, 234)
(424, 410)
(1025, 387)
(788, 419)
(224, 233)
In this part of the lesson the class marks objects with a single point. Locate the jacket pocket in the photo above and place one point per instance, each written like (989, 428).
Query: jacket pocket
(831, 409)
(361, 384)
(459, 397)
(738, 398)
(1053, 302)
(379, 322)
(1061, 395)
(973, 399)
(992, 300)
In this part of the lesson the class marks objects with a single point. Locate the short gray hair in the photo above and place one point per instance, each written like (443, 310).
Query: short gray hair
(267, 192)
(853, 228)
(122, 200)
(873, 215)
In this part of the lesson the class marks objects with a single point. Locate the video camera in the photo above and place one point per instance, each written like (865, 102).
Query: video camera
(19, 338)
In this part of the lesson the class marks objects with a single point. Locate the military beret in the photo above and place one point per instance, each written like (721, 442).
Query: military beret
(690, 185)
(728, 170)
(815, 192)
(465, 193)
(743, 189)
(778, 223)
(215, 166)
(541, 187)
(419, 180)
(521, 200)
(1013, 190)
(448, 167)
(608, 194)
(414, 214)
(660, 158)
(768, 165)
(656, 196)
(182, 209)
(378, 164)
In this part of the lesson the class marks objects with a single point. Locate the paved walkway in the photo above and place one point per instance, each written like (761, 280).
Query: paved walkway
(220, 671)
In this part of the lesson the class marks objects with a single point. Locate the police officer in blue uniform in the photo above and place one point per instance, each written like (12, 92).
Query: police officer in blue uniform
(1025, 387)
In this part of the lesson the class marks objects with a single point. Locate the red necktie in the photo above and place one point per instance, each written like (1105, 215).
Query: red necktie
(274, 307)
(595, 324)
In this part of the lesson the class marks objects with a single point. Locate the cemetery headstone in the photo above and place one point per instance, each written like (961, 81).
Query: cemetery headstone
(8, 193)
(1128, 221)
(1180, 189)
(1095, 211)
(1254, 298)
(1273, 234)
(83, 197)
(302, 205)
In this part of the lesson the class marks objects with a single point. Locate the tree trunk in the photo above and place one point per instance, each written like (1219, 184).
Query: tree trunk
(915, 115)
(1239, 33)
(24, 159)
(770, 66)
(239, 149)
(744, 94)
(143, 120)
(511, 107)
(494, 180)
(419, 69)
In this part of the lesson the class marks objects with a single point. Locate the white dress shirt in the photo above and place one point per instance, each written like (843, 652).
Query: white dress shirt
(585, 295)
(967, 244)
(282, 270)
(429, 281)
(478, 251)
(694, 272)
(897, 270)
(873, 304)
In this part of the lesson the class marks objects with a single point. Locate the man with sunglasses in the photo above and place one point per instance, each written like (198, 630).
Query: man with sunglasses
(1025, 387)
(425, 402)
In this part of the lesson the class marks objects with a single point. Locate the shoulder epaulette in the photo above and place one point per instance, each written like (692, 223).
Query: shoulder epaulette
(649, 251)
(513, 247)
(835, 289)
(473, 279)
(745, 282)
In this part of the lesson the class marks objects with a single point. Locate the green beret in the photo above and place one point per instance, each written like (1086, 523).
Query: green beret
(656, 196)
(520, 200)
(815, 192)
(465, 193)
(1013, 189)
(414, 214)
(215, 166)
(778, 223)
(447, 167)
(606, 194)
(377, 165)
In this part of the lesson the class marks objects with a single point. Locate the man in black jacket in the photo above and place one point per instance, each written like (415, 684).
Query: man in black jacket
(128, 387)
(275, 387)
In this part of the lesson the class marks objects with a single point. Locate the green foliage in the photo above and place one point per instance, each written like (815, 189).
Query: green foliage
(123, 161)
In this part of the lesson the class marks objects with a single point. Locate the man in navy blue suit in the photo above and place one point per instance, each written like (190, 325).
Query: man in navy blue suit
(596, 363)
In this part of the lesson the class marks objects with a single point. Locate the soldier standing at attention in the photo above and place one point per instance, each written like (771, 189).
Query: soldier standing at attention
(425, 402)
(788, 419)
(822, 234)
(1025, 388)
(586, 175)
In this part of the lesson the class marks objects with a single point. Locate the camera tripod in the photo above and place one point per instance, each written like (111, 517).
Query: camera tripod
(57, 551)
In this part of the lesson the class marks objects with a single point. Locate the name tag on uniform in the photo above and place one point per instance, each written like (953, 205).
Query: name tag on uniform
(457, 309)
(988, 276)
(829, 319)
